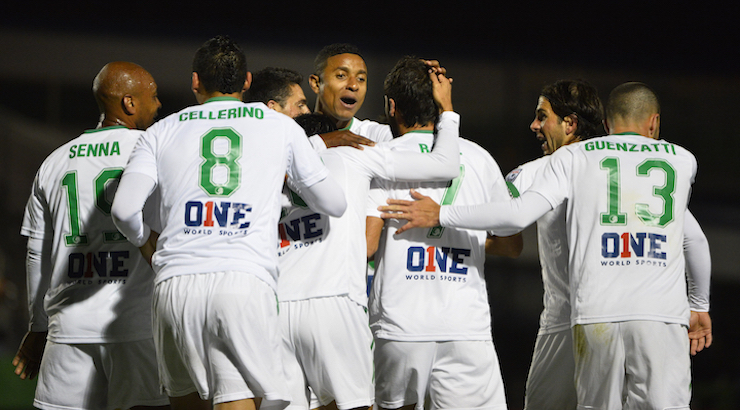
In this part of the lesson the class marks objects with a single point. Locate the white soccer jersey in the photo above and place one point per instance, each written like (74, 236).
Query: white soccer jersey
(219, 167)
(98, 288)
(429, 283)
(552, 244)
(627, 196)
(369, 129)
(326, 256)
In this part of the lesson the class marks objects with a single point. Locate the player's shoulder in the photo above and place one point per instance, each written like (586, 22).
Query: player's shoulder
(370, 129)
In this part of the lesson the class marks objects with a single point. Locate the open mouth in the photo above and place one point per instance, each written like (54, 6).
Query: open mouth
(348, 101)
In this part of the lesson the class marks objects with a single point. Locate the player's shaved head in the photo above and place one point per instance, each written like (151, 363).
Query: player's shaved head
(631, 102)
(117, 79)
(126, 94)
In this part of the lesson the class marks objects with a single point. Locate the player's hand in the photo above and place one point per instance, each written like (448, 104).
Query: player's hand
(422, 213)
(149, 247)
(434, 64)
(28, 359)
(344, 138)
(700, 331)
(441, 87)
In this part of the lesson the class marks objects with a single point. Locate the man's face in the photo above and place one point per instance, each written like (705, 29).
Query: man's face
(341, 90)
(549, 128)
(148, 104)
(295, 104)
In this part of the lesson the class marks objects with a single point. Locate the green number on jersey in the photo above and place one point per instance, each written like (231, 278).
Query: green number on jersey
(213, 161)
(614, 217)
(448, 198)
(665, 192)
(101, 183)
(75, 237)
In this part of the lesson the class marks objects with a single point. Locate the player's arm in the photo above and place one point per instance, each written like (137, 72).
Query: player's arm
(128, 205)
(443, 162)
(504, 218)
(339, 138)
(373, 229)
(326, 197)
(698, 275)
(38, 273)
(508, 246)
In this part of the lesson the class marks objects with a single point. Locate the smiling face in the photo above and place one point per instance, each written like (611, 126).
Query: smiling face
(550, 128)
(341, 88)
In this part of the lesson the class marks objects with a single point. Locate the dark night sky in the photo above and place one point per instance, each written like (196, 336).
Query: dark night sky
(678, 36)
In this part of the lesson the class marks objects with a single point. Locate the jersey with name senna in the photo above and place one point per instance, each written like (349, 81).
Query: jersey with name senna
(626, 200)
(552, 244)
(219, 168)
(429, 283)
(99, 286)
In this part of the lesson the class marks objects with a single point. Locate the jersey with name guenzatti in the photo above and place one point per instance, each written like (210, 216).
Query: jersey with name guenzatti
(627, 196)
(429, 283)
(98, 287)
(219, 168)
(552, 244)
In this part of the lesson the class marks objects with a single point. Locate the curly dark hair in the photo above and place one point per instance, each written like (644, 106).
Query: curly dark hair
(409, 85)
(580, 98)
(273, 83)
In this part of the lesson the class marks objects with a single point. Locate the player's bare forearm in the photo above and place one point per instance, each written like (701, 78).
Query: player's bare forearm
(149, 247)
(421, 213)
(345, 138)
(700, 331)
(27, 360)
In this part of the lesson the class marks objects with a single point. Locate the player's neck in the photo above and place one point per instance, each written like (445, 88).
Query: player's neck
(112, 121)
(416, 127)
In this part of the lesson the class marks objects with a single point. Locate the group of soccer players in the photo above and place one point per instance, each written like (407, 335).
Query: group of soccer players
(207, 194)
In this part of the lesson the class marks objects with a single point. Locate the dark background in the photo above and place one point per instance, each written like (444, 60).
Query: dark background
(500, 55)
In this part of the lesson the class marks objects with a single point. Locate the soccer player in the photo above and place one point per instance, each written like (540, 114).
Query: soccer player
(340, 83)
(219, 167)
(322, 289)
(429, 308)
(89, 290)
(627, 195)
(279, 89)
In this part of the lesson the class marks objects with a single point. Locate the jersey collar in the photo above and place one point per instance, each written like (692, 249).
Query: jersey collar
(214, 99)
(112, 127)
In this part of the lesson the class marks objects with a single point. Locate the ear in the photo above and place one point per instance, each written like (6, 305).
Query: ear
(571, 124)
(271, 105)
(195, 83)
(247, 82)
(606, 126)
(390, 105)
(127, 104)
(315, 82)
(654, 126)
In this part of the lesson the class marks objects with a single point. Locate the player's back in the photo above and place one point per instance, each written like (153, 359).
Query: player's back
(100, 288)
(627, 195)
(429, 283)
(219, 168)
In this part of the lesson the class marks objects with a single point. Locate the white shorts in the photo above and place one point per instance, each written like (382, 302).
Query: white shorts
(632, 365)
(217, 334)
(98, 376)
(550, 383)
(328, 346)
(453, 375)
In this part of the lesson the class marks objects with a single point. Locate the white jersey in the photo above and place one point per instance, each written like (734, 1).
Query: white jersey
(98, 288)
(369, 129)
(627, 197)
(219, 167)
(552, 244)
(326, 256)
(429, 283)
